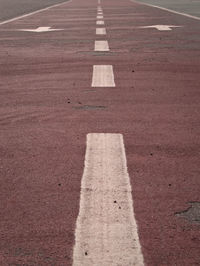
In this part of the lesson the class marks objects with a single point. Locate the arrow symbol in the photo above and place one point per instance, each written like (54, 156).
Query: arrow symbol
(160, 27)
(40, 29)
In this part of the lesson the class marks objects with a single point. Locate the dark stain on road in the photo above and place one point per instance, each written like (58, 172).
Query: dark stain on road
(192, 214)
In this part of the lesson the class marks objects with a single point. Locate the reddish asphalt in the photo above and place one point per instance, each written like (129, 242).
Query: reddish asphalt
(47, 107)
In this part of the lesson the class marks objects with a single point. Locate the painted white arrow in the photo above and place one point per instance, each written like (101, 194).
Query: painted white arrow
(40, 29)
(160, 27)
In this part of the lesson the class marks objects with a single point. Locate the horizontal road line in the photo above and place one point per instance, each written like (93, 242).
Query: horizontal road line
(100, 31)
(103, 76)
(100, 22)
(33, 13)
(169, 10)
(106, 229)
(101, 46)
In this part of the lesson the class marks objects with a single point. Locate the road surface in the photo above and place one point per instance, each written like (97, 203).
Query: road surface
(99, 136)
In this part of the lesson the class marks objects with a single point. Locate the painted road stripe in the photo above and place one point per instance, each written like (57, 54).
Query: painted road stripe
(169, 10)
(100, 31)
(99, 17)
(101, 46)
(99, 13)
(103, 76)
(33, 13)
(106, 229)
(100, 22)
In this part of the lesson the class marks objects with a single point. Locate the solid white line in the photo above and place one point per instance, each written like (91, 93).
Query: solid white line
(99, 17)
(106, 229)
(101, 46)
(100, 22)
(103, 76)
(32, 13)
(169, 10)
(100, 31)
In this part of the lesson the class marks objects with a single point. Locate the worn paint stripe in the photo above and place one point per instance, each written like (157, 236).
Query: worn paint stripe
(101, 46)
(106, 229)
(100, 31)
(103, 76)
(100, 22)
(99, 17)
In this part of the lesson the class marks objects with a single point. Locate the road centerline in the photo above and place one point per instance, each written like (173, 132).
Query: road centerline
(106, 229)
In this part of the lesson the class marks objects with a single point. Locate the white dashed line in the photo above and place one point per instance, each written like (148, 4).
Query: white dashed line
(99, 17)
(100, 22)
(106, 229)
(103, 76)
(101, 46)
(100, 31)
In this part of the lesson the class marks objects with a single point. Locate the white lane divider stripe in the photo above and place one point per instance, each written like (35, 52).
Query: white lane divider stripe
(103, 76)
(99, 17)
(100, 22)
(100, 31)
(101, 46)
(106, 229)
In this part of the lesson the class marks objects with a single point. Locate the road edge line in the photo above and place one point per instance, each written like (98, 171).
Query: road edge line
(33, 13)
(168, 10)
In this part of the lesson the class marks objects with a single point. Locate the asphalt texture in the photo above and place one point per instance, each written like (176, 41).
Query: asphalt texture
(191, 7)
(14, 8)
(47, 107)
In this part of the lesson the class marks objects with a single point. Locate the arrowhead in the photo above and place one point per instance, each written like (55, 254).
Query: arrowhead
(40, 29)
(160, 27)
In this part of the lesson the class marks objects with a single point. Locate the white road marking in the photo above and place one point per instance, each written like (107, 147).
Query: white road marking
(160, 27)
(106, 229)
(101, 46)
(103, 76)
(169, 10)
(99, 17)
(99, 13)
(40, 29)
(99, 9)
(100, 31)
(33, 13)
(100, 22)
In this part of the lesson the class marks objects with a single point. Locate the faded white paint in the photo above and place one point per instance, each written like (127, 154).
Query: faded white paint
(101, 46)
(106, 229)
(103, 76)
(100, 22)
(159, 27)
(40, 29)
(99, 17)
(100, 31)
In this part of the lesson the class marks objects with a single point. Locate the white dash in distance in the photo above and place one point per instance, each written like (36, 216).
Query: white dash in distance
(101, 46)
(103, 76)
(100, 31)
(100, 22)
